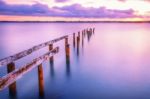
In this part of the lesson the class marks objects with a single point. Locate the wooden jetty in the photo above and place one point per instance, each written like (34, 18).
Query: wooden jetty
(9, 80)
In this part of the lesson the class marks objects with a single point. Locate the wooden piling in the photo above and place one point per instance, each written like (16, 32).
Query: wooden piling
(84, 32)
(41, 80)
(93, 30)
(12, 87)
(68, 60)
(67, 50)
(10, 67)
(52, 57)
(51, 61)
(74, 42)
(50, 47)
(82, 39)
(67, 53)
(78, 44)
(79, 35)
(66, 41)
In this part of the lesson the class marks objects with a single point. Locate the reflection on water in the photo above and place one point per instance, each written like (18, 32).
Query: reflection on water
(52, 71)
(115, 63)
(68, 69)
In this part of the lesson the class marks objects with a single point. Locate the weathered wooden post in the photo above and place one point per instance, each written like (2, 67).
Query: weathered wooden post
(90, 31)
(82, 39)
(12, 87)
(93, 30)
(67, 49)
(68, 60)
(50, 47)
(78, 44)
(83, 33)
(51, 58)
(79, 35)
(41, 80)
(87, 32)
(74, 42)
(67, 53)
(51, 61)
(66, 41)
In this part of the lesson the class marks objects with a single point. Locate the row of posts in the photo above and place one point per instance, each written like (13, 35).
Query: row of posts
(76, 43)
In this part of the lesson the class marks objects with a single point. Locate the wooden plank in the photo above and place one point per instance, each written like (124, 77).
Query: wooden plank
(22, 54)
(13, 76)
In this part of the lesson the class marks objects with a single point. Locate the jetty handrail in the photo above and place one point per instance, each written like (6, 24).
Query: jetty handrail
(13, 76)
(24, 53)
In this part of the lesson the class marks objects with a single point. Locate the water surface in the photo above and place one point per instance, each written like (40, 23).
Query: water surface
(114, 64)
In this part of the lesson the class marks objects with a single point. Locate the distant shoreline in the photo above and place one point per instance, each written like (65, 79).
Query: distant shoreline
(74, 21)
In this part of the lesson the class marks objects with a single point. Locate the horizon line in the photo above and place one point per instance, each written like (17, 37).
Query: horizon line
(7, 18)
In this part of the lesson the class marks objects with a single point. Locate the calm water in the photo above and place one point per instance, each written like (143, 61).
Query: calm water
(114, 64)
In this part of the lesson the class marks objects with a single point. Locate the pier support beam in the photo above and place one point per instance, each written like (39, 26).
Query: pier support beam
(51, 61)
(12, 87)
(93, 30)
(52, 57)
(67, 51)
(66, 41)
(74, 42)
(78, 44)
(82, 39)
(79, 35)
(68, 54)
(41, 80)
(67, 60)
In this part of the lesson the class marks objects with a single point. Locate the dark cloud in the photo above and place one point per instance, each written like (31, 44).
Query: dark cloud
(75, 10)
(122, 0)
(61, 0)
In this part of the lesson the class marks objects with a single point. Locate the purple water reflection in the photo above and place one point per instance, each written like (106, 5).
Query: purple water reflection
(114, 64)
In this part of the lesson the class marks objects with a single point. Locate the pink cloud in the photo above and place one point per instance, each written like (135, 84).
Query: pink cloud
(75, 10)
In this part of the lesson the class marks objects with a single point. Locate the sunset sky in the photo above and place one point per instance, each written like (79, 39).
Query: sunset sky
(43, 10)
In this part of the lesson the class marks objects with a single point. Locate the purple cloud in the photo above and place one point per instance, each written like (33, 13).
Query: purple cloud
(75, 10)
(35, 9)
(61, 0)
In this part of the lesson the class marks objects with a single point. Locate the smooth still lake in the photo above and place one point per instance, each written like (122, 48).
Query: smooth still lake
(113, 64)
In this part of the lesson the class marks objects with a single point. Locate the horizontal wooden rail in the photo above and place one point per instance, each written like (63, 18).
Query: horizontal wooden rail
(24, 53)
(13, 76)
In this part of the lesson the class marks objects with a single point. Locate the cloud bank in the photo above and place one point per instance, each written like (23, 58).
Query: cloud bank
(75, 10)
